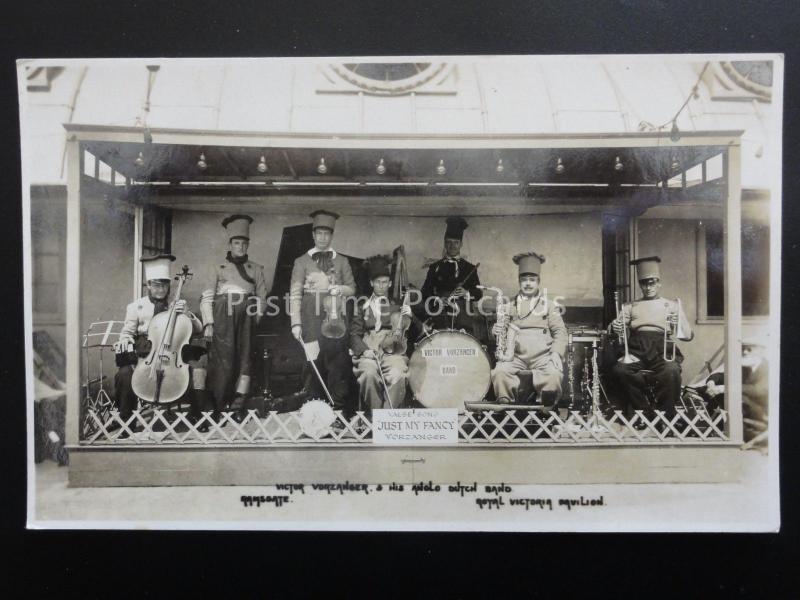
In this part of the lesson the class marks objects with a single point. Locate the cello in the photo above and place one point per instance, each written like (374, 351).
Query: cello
(162, 376)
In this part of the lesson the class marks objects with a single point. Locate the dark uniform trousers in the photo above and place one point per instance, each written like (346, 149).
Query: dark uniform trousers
(123, 392)
(333, 361)
(229, 355)
(648, 347)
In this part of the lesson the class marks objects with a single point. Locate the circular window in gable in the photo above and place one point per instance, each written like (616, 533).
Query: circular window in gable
(388, 78)
(753, 76)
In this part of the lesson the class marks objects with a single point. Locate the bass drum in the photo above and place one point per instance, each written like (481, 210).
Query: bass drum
(447, 369)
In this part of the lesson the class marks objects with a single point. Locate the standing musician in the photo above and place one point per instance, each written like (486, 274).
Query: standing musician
(227, 308)
(318, 273)
(133, 337)
(372, 324)
(646, 320)
(541, 341)
(455, 280)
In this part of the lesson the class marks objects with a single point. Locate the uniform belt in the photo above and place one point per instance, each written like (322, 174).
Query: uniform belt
(531, 328)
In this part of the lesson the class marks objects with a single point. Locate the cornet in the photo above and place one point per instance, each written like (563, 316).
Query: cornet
(671, 331)
(628, 358)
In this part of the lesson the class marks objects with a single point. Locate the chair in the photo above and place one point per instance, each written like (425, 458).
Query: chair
(650, 384)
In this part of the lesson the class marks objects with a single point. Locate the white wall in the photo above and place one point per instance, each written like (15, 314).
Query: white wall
(675, 241)
(106, 261)
(571, 244)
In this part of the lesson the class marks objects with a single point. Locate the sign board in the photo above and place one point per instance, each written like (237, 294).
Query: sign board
(415, 426)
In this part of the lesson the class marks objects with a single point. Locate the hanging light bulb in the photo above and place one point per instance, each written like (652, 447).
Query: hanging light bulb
(500, 168)
(381, 168)
(560, 168)
(674, 133)
(618, 166)
(201, 162)
(322, 168)
(262, 165)
(676, 165)
(440, 170)
(139, 160)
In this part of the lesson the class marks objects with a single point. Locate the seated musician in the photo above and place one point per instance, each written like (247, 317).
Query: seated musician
(451, 284)
(645, 321)
(541, 341)
(755, 388)
(371, 325)
(133, 340)
(322, 272)
(229, 318)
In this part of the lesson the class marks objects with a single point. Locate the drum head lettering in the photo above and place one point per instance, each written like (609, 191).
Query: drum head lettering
(449, 368)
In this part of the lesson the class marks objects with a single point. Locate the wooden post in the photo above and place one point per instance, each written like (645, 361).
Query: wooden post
(73, 303)
(138, 221)
(733, 292)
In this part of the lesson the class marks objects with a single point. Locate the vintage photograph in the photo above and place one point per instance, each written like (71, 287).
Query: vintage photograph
(439, 292)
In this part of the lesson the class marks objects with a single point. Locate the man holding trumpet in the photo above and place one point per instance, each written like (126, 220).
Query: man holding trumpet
(651, 326)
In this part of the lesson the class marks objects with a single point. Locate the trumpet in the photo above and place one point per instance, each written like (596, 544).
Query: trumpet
(671, 331)
(628, 358)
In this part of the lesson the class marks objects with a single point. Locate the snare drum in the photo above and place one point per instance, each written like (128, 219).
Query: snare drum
(447, 369)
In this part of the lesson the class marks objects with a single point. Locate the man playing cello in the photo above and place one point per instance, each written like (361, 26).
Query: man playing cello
(133, 337)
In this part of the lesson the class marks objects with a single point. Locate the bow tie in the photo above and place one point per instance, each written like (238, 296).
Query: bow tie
(322, 257)
(455, 263)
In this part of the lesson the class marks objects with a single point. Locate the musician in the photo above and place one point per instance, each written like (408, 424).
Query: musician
(371, 325)
(318, 273)
(645, 320)
(234, 287)
(755, 387)
(452, 278)
(540, 343)
(133, 340)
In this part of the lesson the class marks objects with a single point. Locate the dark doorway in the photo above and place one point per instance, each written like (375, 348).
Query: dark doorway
(616, 259)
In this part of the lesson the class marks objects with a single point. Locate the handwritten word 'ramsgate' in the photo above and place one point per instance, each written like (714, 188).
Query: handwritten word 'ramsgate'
(278, 501)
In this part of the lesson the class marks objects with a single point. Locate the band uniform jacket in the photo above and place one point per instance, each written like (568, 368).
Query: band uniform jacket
(364, 320)
(541, 328)
(651, 315)
(138, 315)
(443, 277)
(224, 278)
(308, 278)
